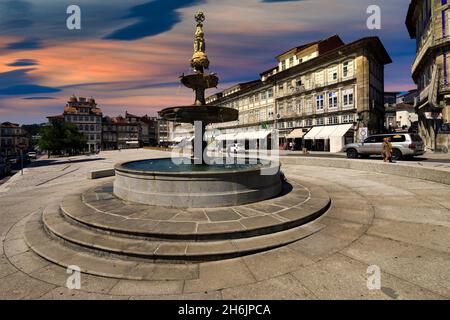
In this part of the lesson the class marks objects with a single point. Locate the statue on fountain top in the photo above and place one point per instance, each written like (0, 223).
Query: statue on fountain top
(199, 60)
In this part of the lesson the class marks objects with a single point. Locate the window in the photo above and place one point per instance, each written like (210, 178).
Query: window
(298, 105)
(281, 108)
(332, 100)
(347, 69)
(319, 102)
(319, 78)
(348, 118)
(309, 122)
(291, 62)
(333, 120)
(270, 93)
(333, 73)
(283, 65)
(348, 97)
(371, 140)
(263, 95)
(309, 106)
(320, 121)
(289, 106)
(307, 81)
(398, 138)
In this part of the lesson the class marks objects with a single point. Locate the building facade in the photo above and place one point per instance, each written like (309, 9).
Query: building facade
(87, 116)
(164, 132)
(11, 136)
(121, 132)
(314, 93)
(428, 22)
(148, 130)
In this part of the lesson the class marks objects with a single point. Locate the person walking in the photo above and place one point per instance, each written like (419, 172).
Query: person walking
(386, 150)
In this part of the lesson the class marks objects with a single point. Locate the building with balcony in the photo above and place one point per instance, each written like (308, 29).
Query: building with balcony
(87, 116)
(11, 137)
(428, 22)
(319, 94)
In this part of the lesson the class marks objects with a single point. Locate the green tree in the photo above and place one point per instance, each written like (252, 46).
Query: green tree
(61, 138)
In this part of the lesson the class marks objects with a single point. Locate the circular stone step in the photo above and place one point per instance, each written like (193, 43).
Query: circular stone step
(108, 237)
(77, 235)
(98, 209)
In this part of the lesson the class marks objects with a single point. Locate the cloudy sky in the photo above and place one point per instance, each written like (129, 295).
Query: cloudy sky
(129, 54)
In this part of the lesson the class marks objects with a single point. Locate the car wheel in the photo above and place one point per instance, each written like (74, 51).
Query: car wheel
(352, 154)
(396, 154)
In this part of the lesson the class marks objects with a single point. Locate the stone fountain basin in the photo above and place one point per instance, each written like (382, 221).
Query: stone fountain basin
(207, 114)
(202, 188)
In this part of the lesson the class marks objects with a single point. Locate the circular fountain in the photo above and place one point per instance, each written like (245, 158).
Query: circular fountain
(199, 181)
(197, 209)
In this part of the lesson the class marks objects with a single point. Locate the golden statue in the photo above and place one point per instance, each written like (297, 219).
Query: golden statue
(199, 60)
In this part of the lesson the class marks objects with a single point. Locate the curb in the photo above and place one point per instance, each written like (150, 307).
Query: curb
(410, 171)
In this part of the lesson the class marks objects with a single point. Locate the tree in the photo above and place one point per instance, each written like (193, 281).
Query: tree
(61, 137)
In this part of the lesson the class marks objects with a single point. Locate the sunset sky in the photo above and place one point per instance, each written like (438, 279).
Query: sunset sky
(129, 54)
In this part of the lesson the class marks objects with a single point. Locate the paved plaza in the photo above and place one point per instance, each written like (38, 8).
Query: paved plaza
(400, 225)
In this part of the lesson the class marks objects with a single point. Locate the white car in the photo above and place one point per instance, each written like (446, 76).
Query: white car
(32, 155)
(237, 147)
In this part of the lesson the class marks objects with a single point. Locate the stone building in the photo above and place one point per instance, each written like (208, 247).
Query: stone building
(319, 95)
(109, 134)
(11, 136)
(121, 132)
(87, 116)
(148, 130)
(428, 22)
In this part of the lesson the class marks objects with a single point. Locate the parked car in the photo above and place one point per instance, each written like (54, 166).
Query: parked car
(404, 145)
(237, 147)
(32, 155)
(5, 167)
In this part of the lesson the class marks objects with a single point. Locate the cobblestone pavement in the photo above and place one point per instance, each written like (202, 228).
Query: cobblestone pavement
(401, 225)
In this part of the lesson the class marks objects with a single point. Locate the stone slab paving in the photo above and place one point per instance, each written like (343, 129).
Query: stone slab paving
(403, 230)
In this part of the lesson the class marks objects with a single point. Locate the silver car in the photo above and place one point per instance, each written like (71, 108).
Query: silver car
(404, 145)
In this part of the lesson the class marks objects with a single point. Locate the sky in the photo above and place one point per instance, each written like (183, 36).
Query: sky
(129, 54)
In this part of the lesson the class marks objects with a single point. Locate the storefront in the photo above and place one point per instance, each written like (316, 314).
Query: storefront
(296, 137)
(328, 138)
(261, 139)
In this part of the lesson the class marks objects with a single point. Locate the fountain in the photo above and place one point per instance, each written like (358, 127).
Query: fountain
(199, 181)
(107, 231)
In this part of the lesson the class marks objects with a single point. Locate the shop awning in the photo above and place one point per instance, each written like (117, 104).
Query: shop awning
(226, 137)
(341, 130)
(296, 134)
(311, 135)
(325, 132)
(258, 135)
(245, 135)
